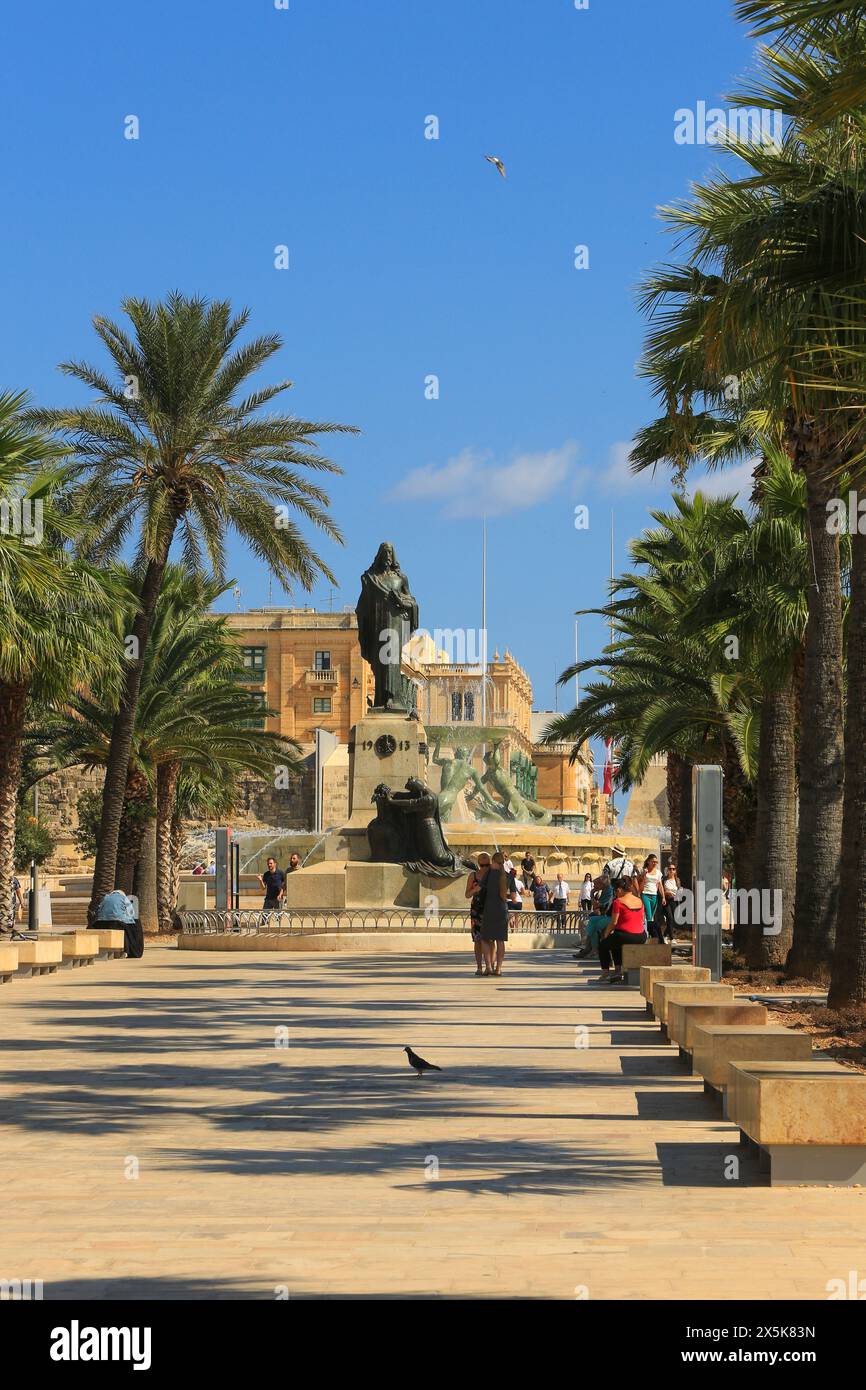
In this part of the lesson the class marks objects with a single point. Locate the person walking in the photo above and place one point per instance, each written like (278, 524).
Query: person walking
(273, 882)
(516, 889)
(17, 906)
(475, 892)
(586, 891)
(626, 928)
(649, 882)
(540, 894)
(670, 894)
(560, 899)
(494, 918)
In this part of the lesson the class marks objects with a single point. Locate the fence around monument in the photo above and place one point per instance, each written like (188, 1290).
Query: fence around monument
(300, 922)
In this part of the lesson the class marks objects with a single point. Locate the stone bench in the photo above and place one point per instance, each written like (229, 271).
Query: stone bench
(807, 1120)
(718, 1044)
(39, 957)
(683, 1018)
(8, 960)
(112, 941)
(686, 992)
(79, 947)
(649, 974)
(650, 953)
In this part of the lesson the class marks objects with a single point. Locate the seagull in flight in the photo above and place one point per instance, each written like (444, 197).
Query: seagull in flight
(497, 163)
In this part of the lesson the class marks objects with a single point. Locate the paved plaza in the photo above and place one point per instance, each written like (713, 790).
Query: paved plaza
(310, 1170)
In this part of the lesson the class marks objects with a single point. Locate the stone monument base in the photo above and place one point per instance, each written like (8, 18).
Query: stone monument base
(385, 748)
(339, 883)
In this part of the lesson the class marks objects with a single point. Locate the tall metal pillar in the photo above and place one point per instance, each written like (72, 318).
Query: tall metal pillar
(708, 832)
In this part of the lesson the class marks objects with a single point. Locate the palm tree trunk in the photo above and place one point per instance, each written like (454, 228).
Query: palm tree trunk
(13, 705)
(775, 838)
(131, 834)
(117, 765)
(166, 894)
(177, 839)
(674, 789)
(848, 978)
(685, 854)
(822, 768)
(145, 878)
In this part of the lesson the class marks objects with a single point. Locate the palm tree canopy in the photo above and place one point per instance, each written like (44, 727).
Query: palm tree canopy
(49, 601)
(172, 443)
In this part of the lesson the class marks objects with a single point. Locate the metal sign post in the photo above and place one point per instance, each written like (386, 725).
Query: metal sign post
(708, 831)
(221, 875)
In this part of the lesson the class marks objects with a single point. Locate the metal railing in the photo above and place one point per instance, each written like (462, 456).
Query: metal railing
(304, 922)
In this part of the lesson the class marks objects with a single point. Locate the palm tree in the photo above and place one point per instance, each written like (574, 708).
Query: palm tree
(818, 77)
(783, 268)
(171, 450)
(664, 690)
(192, 713)
(48, 605)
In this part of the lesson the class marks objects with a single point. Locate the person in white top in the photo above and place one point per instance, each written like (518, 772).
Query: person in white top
(560, 896)
(586, 889)
(508, 865)
(670, 892)
(649, 882)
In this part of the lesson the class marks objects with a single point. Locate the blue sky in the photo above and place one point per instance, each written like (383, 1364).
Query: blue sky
(409, 257)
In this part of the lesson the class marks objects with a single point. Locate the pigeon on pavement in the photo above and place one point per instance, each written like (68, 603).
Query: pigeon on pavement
(418, 1062)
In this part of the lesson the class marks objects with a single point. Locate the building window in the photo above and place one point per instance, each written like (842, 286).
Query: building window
(322, 705)
(254, 659)
(322, 661)
(456, 706)
(259, 700)
(469, 706)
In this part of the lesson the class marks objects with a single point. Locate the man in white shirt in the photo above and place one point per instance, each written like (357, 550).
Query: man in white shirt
(560, 898)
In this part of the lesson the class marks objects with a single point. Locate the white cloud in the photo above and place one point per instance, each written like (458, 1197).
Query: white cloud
(722, 482)
(474, 484)
(617, 476)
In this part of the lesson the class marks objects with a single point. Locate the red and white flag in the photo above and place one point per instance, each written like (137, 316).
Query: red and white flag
(607, 788)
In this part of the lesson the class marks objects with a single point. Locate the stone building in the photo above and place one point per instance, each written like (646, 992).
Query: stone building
(307, 667)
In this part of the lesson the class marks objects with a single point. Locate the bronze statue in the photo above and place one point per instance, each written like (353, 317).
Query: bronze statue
(456, 773)
(519, 808)
(407, 830)
(387, 617)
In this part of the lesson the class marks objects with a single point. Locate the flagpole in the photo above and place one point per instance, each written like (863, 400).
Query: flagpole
(484, 620)
(612, 797)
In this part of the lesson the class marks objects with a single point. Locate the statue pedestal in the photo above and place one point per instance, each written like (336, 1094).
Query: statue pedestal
(385, 748)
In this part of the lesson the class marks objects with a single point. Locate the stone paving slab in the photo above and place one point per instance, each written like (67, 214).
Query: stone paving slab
(308, 1170)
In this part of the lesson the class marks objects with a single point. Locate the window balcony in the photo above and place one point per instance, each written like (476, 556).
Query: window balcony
(314, 677)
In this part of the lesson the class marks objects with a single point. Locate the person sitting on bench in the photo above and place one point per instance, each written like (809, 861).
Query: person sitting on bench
(627, 927)
(597, 921)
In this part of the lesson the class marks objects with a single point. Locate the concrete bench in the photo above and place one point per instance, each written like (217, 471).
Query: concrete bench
(79, 947)
(649, 974)
(8, 960)
(39, 957)
(806, 1119)
(112, 941)
(650, 953)
(718, 1044)
(683, 1018)
(687, 992)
